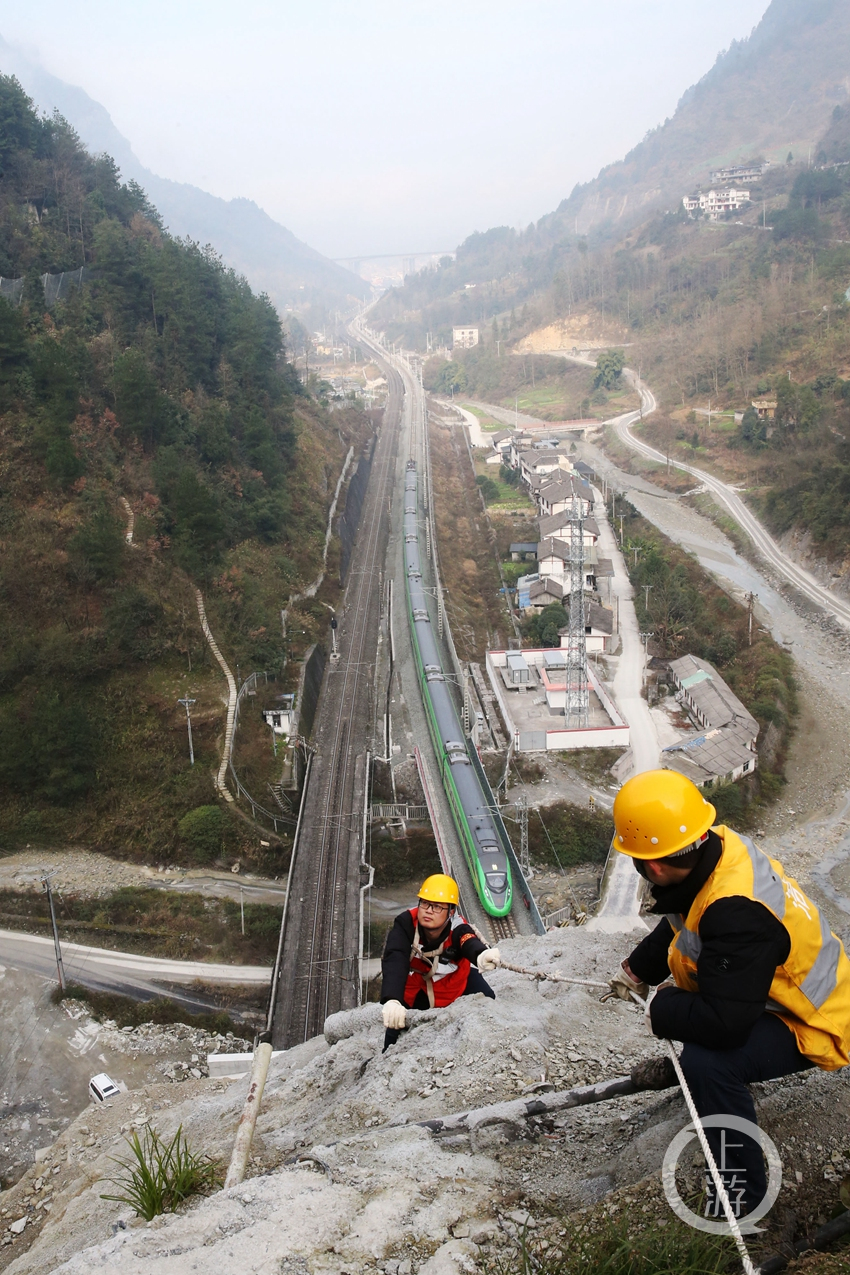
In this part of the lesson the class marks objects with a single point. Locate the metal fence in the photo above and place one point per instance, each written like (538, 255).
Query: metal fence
(398, 810)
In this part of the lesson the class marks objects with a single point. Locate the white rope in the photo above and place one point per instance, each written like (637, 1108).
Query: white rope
(719, 1184)
(715, 1173)
(553, 977)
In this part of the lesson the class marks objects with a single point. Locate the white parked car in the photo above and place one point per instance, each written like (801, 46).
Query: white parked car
(102, 1088)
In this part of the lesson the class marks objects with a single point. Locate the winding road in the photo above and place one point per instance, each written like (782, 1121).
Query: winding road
(129, 973)
(764, 543)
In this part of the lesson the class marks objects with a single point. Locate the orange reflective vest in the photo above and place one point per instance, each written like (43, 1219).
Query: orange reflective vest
(811, 991)
(441, 983)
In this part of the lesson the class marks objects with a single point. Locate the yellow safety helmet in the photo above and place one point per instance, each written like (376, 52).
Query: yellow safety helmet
(440, 889)
(659, 813)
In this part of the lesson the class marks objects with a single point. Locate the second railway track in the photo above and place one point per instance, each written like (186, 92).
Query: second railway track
(318, 966)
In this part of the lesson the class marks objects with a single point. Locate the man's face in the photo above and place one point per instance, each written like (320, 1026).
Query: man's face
(432, 916)
(662, 872)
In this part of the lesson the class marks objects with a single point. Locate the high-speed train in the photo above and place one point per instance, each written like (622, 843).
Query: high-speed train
(479, 835)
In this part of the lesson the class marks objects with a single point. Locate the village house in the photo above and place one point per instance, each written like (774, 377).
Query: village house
(537, 463)
(766, 408)
(553, 560)
(557, 497)
(559, 527)
(598, 628)
(725, 750)
(715, 202)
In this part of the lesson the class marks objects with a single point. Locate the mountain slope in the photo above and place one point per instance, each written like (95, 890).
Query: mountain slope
(153, 439)
(770, 94)
(272, 259)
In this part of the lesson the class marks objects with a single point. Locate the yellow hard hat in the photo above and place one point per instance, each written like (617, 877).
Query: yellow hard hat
(440, 889)
(658, 813)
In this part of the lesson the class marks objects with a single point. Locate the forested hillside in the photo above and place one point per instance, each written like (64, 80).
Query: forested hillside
(157, 379)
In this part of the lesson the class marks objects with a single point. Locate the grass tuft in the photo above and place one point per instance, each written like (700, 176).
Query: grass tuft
(615, 1249)
(160, 1175)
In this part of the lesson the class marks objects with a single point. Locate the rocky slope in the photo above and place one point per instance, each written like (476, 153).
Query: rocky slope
(343, 1179)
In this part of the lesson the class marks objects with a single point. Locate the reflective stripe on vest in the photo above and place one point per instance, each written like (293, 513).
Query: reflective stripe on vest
(811, 991)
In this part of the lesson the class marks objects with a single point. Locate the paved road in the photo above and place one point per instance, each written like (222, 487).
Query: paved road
(797, 576)
(124, 972)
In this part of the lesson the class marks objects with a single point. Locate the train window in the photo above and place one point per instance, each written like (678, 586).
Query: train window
(497, 881)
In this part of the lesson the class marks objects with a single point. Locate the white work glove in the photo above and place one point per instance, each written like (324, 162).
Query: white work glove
(395, 1015)
(650, 998)
(489, 960)
(623, 984)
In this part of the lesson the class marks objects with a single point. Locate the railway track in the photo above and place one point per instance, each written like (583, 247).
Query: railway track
(318, 969)
(502, 927)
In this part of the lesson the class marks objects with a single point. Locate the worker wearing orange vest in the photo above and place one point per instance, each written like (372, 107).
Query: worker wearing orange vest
(431, 957)
(752, 980)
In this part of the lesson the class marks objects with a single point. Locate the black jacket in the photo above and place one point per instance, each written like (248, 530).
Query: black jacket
(742, 945)
(395, 965)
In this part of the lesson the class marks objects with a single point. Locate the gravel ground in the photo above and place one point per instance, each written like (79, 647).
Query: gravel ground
(88, 875)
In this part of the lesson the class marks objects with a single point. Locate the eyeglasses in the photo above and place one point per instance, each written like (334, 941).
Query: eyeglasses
(427, 906)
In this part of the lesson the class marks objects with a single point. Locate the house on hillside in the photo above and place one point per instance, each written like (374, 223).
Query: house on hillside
(726, 748)
(739, 173)
(714, 202)
(464, 338)
(766, 408)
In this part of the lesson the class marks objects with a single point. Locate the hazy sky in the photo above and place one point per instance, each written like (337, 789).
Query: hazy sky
(383, 125)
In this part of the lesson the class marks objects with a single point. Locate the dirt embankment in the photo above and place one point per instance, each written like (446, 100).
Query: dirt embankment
(580, 331)
(466, 546)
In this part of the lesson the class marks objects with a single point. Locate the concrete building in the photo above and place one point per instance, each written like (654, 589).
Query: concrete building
(714, 202)
(553, 560)
(464, 338)
(739, 173)
(726, 750)
(533, 710)
(598, 629)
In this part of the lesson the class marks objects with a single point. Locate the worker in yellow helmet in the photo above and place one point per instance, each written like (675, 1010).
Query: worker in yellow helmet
(747, 973)
(431, 957)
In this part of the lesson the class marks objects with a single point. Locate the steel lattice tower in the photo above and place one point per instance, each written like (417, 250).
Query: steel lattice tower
(576, 708)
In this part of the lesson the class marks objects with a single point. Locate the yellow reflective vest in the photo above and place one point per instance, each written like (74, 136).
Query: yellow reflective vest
(811, 991)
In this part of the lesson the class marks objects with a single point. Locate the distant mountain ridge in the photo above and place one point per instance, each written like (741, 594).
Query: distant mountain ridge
(767, 95)
(272, 259)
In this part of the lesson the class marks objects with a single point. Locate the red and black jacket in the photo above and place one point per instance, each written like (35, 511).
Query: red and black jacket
(414, 964)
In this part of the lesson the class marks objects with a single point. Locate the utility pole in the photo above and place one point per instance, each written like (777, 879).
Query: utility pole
(646, 588)
(751, 597)
(620, 516)
(242, 909)
(645, 639)
(187, 704)
(60, 968)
